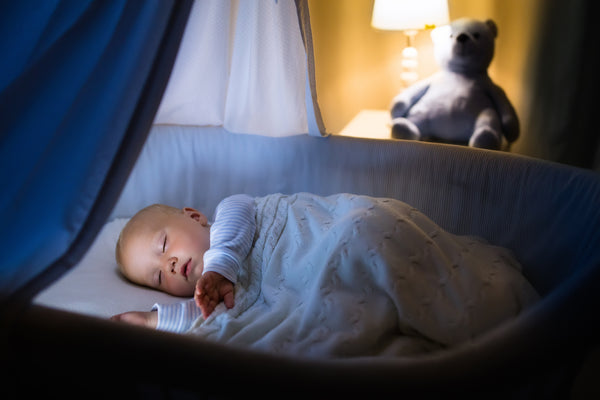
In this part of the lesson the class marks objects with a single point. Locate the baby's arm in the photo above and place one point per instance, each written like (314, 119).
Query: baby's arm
(149, 319)
(175, 317)
(211, 289)
(231, 238)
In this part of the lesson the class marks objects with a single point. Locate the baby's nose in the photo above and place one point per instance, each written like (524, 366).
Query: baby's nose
(171, 263)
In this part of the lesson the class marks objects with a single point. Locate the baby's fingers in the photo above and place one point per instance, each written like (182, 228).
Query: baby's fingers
(228, 300)
(198, 295)
(198, 300)
(207, 306)
(206, 299)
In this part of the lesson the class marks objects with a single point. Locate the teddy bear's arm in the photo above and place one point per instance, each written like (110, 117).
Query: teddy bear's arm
(404, 101)
(508, 115)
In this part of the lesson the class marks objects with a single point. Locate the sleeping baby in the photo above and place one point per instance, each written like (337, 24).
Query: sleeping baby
(337, 276)
(178, 252)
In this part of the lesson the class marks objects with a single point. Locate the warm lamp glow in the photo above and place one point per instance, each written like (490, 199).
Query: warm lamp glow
(402, 15)
(409, 16)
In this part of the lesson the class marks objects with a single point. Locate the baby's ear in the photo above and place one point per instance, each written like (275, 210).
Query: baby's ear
(196, 215)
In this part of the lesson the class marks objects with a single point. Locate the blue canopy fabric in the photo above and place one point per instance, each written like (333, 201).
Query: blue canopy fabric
(80, 82)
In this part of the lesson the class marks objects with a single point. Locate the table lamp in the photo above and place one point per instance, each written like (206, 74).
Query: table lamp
(409, 16)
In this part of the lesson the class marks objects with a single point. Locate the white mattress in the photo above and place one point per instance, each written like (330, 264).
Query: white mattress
(95, 286)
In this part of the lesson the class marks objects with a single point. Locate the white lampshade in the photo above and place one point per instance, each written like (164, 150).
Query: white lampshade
(409, 14)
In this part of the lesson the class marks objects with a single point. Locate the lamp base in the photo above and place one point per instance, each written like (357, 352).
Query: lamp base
(410, 60)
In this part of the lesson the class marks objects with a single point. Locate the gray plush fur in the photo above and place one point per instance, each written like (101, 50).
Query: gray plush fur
(460, 103)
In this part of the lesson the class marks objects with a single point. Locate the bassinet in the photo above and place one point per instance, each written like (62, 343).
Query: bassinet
(548, 214)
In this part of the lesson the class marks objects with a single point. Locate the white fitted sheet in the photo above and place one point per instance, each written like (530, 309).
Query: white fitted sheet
(95, 287)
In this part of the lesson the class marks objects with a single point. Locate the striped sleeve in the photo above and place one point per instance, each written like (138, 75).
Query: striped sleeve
(177, 317)
(231, 236)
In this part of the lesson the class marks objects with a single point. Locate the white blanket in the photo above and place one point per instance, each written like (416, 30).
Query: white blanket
(350, 275)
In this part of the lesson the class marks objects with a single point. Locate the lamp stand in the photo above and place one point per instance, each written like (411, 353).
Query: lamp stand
(410, 60)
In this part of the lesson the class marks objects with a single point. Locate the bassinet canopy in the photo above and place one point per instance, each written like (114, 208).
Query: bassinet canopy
(82, 86)
(78, 95)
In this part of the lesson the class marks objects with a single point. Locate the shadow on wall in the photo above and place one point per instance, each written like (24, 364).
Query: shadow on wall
(563, 86)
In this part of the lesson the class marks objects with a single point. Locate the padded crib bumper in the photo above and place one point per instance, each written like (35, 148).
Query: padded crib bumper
(548, 214)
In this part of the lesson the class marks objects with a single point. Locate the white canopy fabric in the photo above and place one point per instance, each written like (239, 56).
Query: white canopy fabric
(241, 65)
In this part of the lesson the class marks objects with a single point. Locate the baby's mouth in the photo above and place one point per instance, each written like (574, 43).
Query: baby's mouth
(185, 269)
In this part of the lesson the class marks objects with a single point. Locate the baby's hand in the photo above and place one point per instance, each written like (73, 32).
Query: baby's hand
(210, 290)
(148, 319)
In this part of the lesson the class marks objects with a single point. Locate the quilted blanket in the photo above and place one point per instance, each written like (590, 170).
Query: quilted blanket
(348, 275)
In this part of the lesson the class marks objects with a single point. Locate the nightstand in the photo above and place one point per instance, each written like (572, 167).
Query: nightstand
(372, 124)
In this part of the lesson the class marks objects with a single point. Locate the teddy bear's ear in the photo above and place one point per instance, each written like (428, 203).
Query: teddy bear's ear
(492, 26)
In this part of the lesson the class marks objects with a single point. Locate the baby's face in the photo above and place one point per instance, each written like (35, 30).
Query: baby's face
(165, 251)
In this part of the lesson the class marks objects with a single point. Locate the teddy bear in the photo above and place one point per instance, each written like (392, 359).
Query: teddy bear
(459, 104)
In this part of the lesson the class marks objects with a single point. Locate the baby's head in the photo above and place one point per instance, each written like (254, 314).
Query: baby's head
(162, 247)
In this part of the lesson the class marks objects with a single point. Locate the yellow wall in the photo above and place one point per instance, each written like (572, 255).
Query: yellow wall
(357, 67)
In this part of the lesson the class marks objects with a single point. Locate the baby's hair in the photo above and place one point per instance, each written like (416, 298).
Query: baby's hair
(130, 226)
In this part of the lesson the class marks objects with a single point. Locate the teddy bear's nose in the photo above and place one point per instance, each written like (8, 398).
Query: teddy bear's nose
(462, 38)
